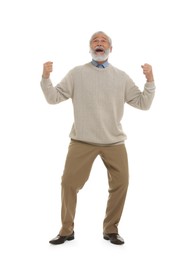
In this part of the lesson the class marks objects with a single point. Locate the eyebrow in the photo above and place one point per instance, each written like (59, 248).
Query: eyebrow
(101, 37)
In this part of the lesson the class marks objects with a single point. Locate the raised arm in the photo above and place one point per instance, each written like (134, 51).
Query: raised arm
(61, 91)
(141, 99)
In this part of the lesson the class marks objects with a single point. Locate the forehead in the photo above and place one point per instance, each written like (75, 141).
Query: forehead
(100, 35)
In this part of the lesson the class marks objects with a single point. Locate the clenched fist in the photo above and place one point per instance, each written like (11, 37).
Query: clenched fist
(47, 69)
(147, 71)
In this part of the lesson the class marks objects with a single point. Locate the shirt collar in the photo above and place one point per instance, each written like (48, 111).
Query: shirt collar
(103, 65)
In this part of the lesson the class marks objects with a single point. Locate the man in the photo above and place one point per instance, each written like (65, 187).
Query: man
(98, 91)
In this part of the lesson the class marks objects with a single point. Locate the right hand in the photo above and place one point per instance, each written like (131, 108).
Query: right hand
(47, 69)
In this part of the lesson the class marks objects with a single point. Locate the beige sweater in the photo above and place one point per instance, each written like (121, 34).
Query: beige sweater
(98, 97)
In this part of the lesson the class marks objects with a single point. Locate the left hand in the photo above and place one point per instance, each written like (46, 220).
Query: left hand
(147, 71)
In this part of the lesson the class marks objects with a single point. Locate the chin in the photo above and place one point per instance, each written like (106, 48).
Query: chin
(99, 57)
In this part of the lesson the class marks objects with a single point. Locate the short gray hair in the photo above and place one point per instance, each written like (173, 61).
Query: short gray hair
(101, 32)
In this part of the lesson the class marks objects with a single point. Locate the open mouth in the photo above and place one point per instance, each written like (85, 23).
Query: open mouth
(99, 50)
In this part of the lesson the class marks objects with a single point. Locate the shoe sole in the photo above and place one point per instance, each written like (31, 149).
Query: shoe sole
(59, 243)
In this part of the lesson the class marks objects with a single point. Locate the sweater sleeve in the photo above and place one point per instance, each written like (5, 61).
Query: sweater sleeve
(137, 98)
(61, 92)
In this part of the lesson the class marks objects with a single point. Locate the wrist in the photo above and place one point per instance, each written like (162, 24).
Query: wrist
(45, 76)
(151, 79)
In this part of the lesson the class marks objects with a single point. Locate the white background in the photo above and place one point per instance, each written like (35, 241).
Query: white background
(157, 220)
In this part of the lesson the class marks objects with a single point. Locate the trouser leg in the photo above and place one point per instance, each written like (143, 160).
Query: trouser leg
(116, 162)
(78, 165)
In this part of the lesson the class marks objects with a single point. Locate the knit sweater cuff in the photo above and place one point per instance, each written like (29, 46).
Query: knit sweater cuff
(46, 83)
(150, 86)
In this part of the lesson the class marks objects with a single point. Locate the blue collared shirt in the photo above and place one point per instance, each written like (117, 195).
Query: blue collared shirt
(104, 65)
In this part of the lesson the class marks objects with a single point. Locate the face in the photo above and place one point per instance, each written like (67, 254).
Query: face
(100, 48)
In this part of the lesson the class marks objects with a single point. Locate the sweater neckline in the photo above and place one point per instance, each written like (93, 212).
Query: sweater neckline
(99, 69)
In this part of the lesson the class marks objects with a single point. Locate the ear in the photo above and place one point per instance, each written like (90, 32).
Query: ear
(111, 49)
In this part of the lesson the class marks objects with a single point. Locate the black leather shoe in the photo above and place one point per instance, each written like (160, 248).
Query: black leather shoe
(61, 239)
(114, 238)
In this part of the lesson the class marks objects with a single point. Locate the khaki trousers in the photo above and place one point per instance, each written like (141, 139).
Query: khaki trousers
(77, 169)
